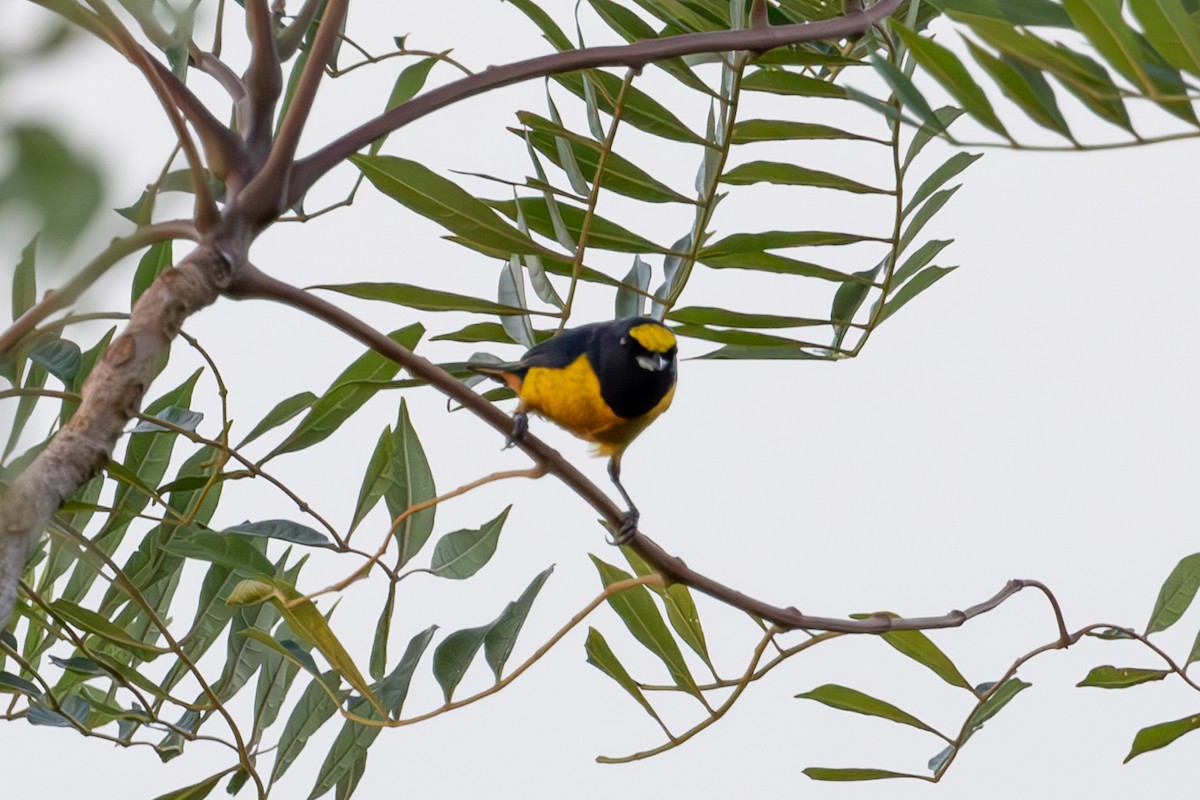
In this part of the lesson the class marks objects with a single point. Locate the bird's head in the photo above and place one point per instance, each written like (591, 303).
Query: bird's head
(652, 345)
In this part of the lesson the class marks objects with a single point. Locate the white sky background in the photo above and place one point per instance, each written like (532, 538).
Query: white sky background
(1030, 416)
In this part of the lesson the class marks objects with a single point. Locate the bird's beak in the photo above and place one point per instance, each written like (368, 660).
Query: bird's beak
(655, 362)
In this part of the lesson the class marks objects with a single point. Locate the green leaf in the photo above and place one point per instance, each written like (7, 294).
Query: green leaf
(1161, 735)
(10, 684)
(631, 294)
(768, 352)
(393, 690)
(775, 130)
(454, 655)
(429, 194)
(846, 699)
(157, 260)
(770, 262)
(1176, 594)
(779, 81)
(938, 178)
(383, 631)
(283, 411)
(948, 70)
(419, 297)
(944, 117)
(1040, 13)
(773, 240)
(197, 791)
(919, 283)
(910, 97)
(283, 530)
(545, 23)
(226, 549)
(311, 712)
(477, 332)
(354, 387)
(681, 608)
(919, 258)
(852, 774)
(601, 656)
(637, 610)
(633, 28)
(91, 622)
(348, 753)
(59, 357)
(1171, 30)
(990, 707)
(619, 175)
(502, 635)
(705, 315)
(602, 233)
(925, 213)
(1110, 677)
(638, 108)
(24, 282)
(169, 419)
(793, 175)
(921, 649)
(1025, 86)
(410, 81)
(461, 554)
(408, 481)
(60, 188)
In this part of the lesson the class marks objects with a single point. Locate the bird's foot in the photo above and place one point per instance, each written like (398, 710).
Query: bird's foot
(519, 429)
(629, 526)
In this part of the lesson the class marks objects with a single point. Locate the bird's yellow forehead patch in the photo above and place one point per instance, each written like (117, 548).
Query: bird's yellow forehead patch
(654, 337)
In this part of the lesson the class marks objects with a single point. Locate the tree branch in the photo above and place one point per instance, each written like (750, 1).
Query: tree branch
(253, 283)
(263, 79)
(635, 56)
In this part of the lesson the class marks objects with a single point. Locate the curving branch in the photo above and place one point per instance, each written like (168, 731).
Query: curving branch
(635, 56)
(251, 283)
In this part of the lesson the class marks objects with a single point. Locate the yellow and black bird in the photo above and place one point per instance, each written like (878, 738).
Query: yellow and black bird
(604, 382)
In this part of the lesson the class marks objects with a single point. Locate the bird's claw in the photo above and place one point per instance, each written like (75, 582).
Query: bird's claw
(629, 527)
(520, 427)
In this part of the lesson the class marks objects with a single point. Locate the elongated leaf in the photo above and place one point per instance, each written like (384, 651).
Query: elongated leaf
(920, 648)
(619, 175)
(910, 97)
(775, 130)
(602, 233)
(948, 70)
(169, 419)
(349, 751)
(410, 81)
(454, 655)
(228, 550)
(24, 280)
(778, 81)
(502, 635)
(1028, 12)
(429, 194)
(770, 262)
(853, 774)
(631, 295)
(938, 178)
(638, 108)
(1161, 735)
(1025, 86)
(91, 622)
(312, 710)
(1109, 677)
(774, 240)
(283, 530)
(846, 699)
(549, 28)
(462, 553)
(157, 260)
(919, 259)
(793, 175)
(1176, 594)
(633, 28)
(637, 610)
(705, 315)
(919, 283)
(283, 411)
(408, 481)
(1171, 30)
(354, 387)
(681, 608)
(991, 707)
(197, 791)
(404, 294)
(601, 656)
(926, 212)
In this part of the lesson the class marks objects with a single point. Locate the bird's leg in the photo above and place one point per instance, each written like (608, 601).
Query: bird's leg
(629, 526)
(519, 429)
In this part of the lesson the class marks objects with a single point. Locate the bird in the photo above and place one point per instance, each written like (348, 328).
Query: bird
(604, 382)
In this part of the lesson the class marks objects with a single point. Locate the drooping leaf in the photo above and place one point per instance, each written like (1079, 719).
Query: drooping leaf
(419, 297)
(919, 283)
(157, 260)
(1025, 86)
(681, 608)
(853, 774)
(462, 553)
(793, 175)
(454, 655)
(776, 130)
(312, 710)
(408, 481)
(602, 233)
(601, 656)
(638, 108)
(24, 280)
(283, 530)
(410, 81)
(283, 411)
(502, 635)
(779, 81)
(846, 699)
(996, 701)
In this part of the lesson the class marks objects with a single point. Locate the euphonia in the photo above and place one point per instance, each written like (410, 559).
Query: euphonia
(604, 382)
